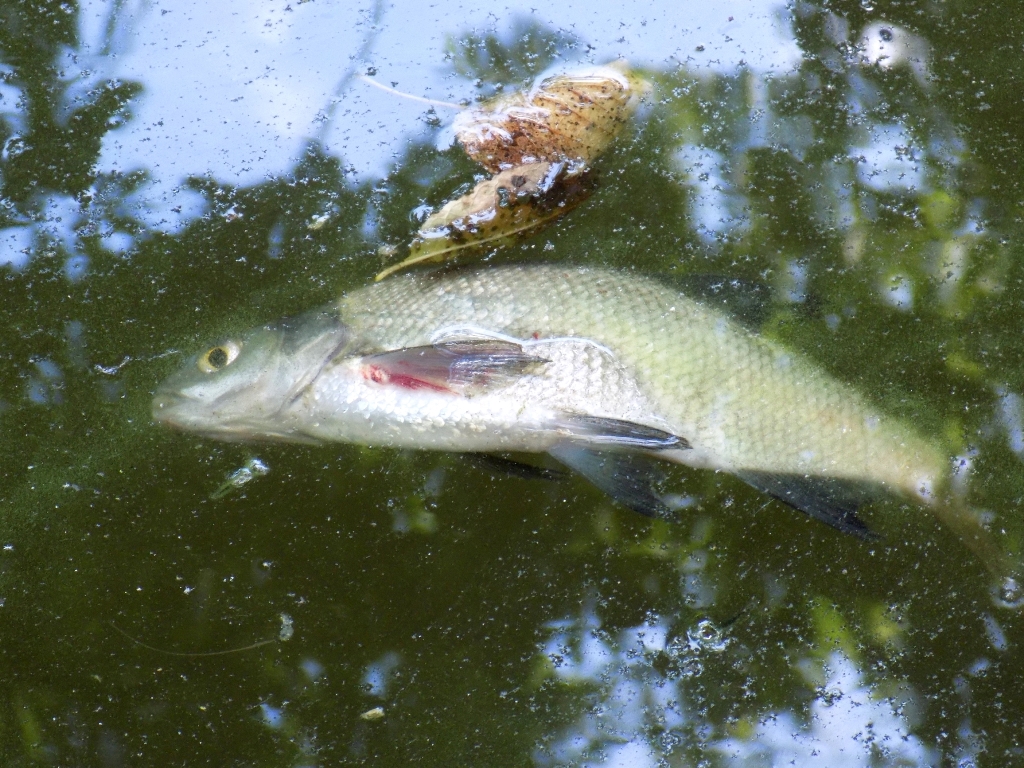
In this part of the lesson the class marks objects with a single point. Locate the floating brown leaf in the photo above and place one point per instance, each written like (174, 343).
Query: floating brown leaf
(513, 203)
(572, 117)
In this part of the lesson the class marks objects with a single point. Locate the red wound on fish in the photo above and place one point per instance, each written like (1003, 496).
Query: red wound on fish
(379, 375)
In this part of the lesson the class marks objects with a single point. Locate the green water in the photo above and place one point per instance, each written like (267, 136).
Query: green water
(151, 616)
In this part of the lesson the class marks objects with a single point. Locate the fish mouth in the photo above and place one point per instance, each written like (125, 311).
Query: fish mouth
(171, 409)
(177, 411)
(165, 408)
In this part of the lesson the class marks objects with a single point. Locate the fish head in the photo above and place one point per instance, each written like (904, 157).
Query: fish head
(242, 388)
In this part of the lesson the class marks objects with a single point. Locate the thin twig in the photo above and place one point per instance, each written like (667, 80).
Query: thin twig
(193, 655)
(424, 100)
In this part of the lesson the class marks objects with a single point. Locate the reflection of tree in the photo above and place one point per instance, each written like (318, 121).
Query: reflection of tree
(906, 285)
(57, 141)
(374, 17)
(510, 60)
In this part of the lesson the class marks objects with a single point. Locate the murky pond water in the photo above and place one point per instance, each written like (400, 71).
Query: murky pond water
(172, 172)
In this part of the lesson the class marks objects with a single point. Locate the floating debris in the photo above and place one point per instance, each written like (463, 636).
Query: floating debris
(287, 628)
(497, 211)
(251, 469)
(572, 116)
(539, 143)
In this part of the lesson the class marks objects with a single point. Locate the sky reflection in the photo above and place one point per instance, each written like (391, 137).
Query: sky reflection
(639, 716)
(236, 94)
(236, 90)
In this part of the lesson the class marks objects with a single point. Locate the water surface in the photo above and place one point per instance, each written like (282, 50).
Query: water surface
(172, 172)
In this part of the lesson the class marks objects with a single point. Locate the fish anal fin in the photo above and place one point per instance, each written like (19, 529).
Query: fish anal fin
(831, 500)
(629, 478)
(457, 366)
(617, 433)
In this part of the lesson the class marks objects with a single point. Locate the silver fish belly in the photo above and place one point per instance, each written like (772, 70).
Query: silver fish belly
(589, 365)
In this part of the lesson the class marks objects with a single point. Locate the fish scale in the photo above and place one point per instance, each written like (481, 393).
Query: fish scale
(742, 400)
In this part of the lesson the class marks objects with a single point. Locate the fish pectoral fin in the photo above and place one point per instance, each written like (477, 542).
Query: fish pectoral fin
(617, 433)
(459, 366)
(629, 478)
(831, 500)
(502, 464)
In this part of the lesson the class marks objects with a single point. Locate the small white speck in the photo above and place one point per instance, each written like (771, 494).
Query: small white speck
(287, 628)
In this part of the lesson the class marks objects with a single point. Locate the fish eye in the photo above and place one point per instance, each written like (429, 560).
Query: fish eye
(215, 358)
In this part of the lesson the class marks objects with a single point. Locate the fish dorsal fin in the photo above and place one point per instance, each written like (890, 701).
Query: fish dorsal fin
(460, 366)
(831, 500)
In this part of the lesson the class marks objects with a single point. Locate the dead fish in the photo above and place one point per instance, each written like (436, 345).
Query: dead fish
(607, 371)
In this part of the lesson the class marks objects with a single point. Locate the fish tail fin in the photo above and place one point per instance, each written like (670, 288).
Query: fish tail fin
(970, 525)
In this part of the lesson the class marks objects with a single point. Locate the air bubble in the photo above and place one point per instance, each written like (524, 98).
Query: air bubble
(1009, 594)
(707, 637)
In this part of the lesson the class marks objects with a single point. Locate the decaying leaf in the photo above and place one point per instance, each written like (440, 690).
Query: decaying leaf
(513, 203)
(540, 144)
(569, 117)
